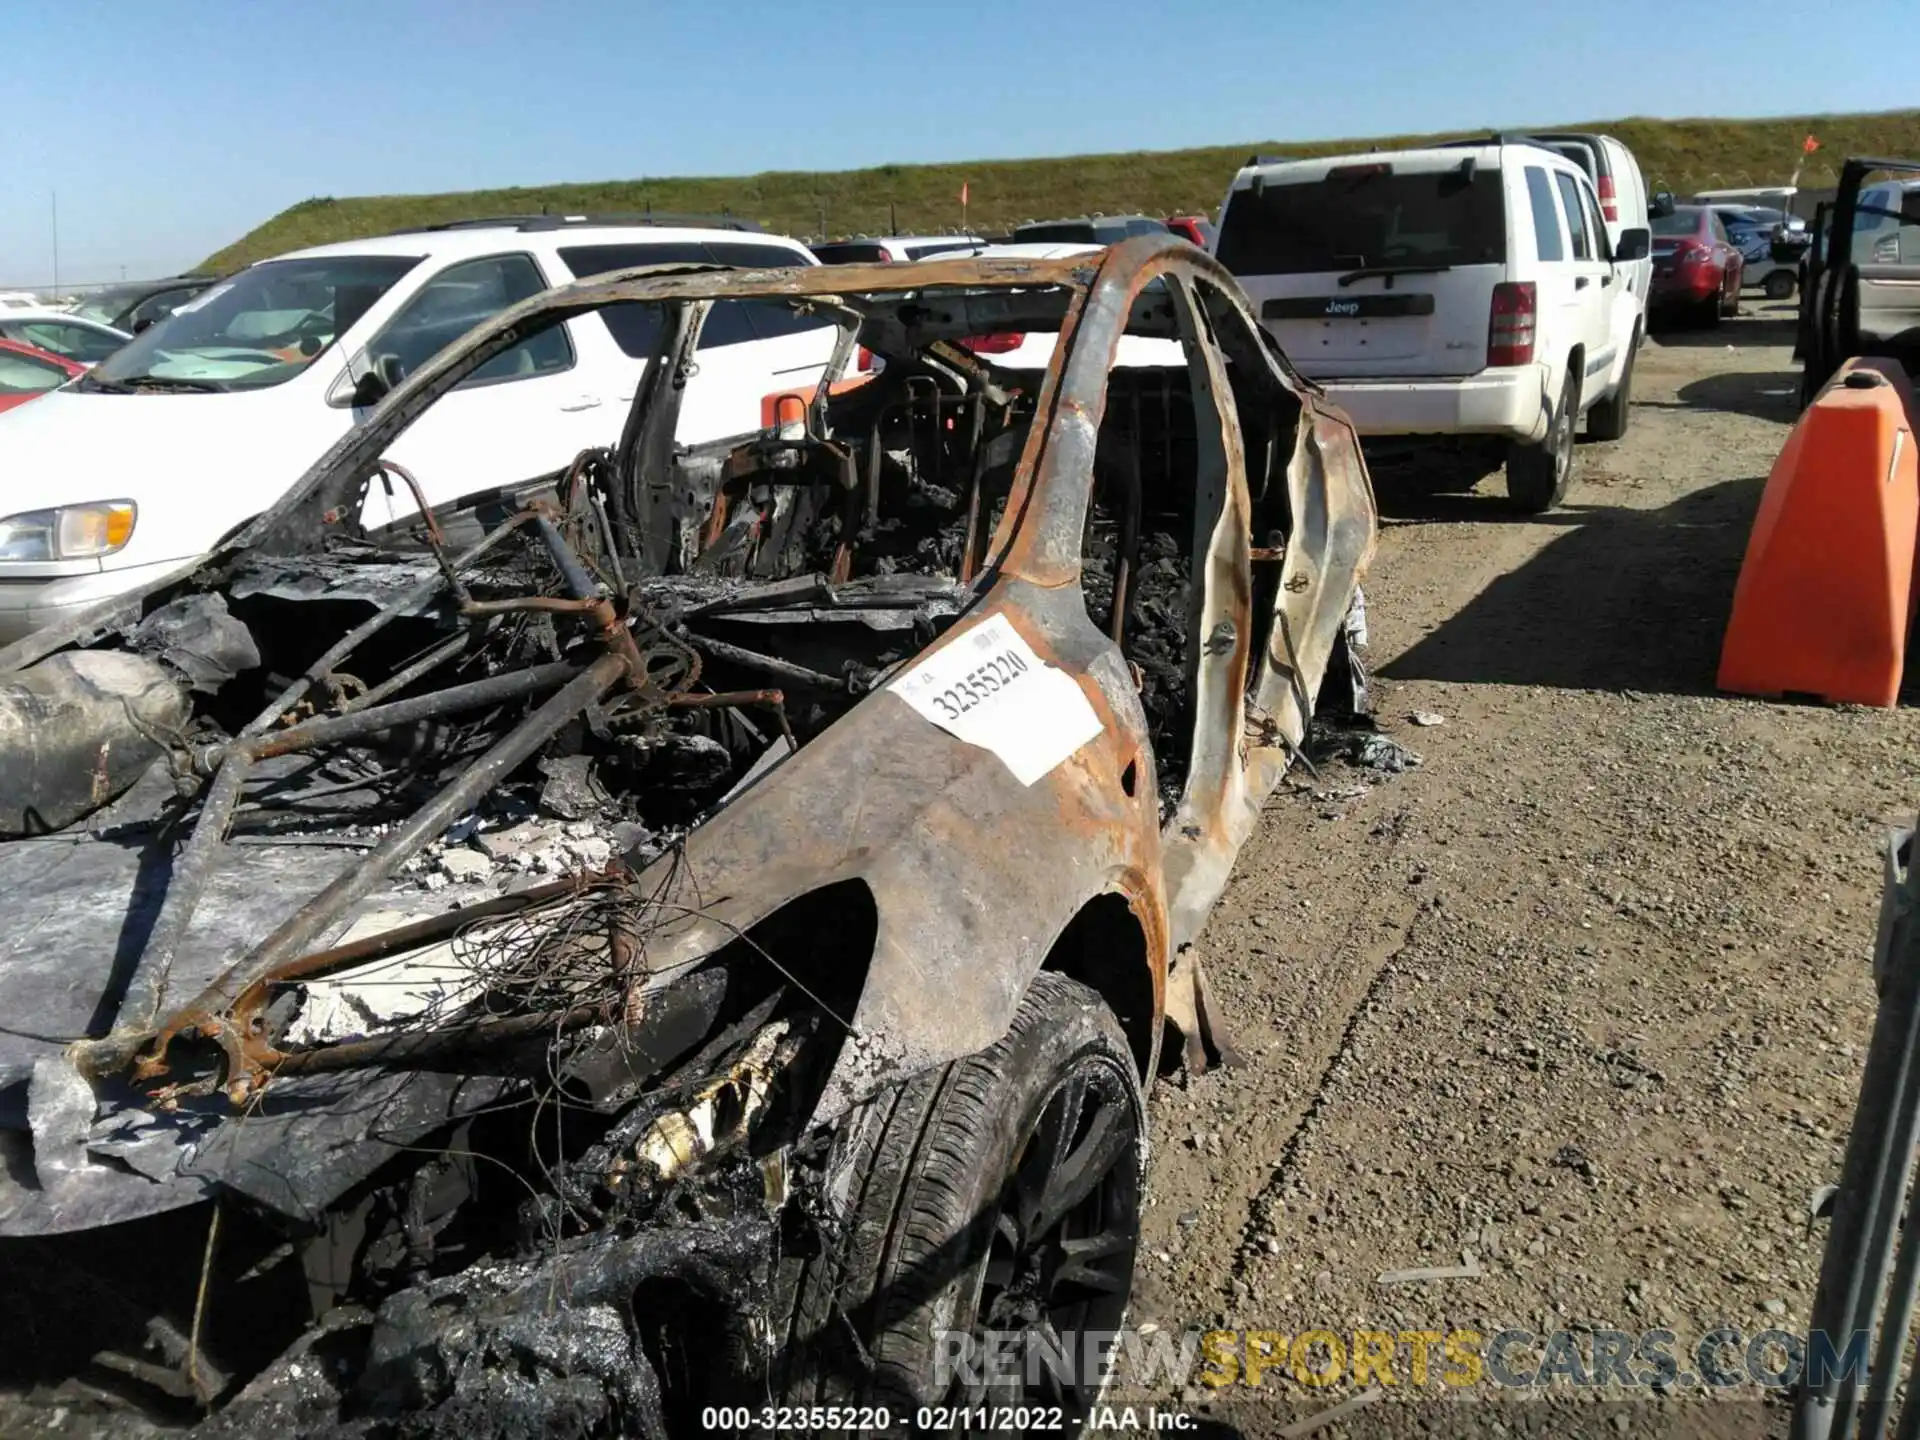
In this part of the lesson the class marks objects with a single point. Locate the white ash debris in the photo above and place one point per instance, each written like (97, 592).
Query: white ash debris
(383, 992)
(473, 854)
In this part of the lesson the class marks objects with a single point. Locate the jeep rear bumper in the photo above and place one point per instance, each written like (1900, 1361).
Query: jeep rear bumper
(1510, 402)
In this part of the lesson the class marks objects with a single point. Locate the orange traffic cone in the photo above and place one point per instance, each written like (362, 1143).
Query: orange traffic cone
(1826, 592)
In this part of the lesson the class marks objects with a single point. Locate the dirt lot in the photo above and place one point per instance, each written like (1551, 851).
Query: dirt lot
(1583, 998)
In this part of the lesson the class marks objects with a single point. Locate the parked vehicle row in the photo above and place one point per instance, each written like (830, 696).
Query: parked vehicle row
(1492, 289)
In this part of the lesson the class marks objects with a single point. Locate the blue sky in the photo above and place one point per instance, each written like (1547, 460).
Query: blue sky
(169, 129)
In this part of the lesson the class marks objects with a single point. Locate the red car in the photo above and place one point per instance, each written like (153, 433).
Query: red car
(1696, 266)
(1196, 228)
(26, 372)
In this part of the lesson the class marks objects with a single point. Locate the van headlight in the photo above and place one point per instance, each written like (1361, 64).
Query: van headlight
(72, 532)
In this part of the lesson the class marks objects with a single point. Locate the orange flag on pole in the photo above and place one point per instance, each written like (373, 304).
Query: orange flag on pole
(963, 190)
(1809, 145)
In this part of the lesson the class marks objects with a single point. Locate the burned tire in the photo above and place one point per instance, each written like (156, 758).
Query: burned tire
(1607, 419)
(1537, 474)
(1000, 1193)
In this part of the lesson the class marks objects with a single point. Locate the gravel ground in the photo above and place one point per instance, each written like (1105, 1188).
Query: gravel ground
(1582, 1000)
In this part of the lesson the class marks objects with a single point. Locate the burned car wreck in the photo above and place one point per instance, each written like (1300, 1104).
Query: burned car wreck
(887, 763)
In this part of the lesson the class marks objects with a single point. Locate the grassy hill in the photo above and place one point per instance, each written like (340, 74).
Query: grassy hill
(1680, 155)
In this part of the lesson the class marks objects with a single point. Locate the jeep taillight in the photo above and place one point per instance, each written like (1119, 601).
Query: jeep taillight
(1510, 328)
(1609, 206)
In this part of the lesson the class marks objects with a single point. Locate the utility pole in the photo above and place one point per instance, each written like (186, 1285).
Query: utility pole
(55, 196)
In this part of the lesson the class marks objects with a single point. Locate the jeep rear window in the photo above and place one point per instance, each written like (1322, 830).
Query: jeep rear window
(636, 327)
(1346, 222)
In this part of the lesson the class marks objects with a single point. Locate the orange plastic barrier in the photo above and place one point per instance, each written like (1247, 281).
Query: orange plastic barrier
(1826, 593)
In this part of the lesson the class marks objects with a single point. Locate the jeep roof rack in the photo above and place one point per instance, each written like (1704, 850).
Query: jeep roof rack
(532, 223)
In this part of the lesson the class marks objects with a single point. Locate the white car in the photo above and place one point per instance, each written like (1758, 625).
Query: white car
(200, 423)
(1453, 290)
(1033, 349)
(894, 249)
(84, 341)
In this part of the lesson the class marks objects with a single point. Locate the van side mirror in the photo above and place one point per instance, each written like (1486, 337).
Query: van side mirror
(378, 377)
(1634, 244)
(369, 390)
(1662, 203)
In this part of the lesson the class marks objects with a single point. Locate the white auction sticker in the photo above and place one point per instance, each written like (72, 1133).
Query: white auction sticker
(988, 688)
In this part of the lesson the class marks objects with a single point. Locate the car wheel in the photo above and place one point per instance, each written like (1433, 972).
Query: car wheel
(1779, 285)
(1607, 419)
(1538, 474)
(999, 1194)
(1730, 298)
(1711, 310)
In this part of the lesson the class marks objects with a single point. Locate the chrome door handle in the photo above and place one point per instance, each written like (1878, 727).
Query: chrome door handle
(581, 402)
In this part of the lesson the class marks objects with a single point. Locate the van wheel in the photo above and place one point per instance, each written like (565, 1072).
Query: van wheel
(1000, 1194)
(1537, 475)
(1779, 285)
(1608, 418)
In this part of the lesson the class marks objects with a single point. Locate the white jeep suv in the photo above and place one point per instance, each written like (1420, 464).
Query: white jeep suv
(1464, 290)
(201, 422)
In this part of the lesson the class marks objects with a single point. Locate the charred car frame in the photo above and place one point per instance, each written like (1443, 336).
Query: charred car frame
(908, 744)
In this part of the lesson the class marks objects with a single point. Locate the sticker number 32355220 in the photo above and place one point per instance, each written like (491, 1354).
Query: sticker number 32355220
(988, 688)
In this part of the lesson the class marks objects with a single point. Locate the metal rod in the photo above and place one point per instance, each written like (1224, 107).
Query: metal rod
(580, 585)
(333, 729)
(1883, 1376)
(436, 538)
(408, 937)
(347, 643)
(147, 990)
(1872, 1179)
(767, 664)
(428, 822)
(552, 604)
(400, 679)
(775, 700)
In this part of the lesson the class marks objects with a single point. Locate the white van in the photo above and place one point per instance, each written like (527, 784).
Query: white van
(200, 423)
(1455, 290)
(1621, 190)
